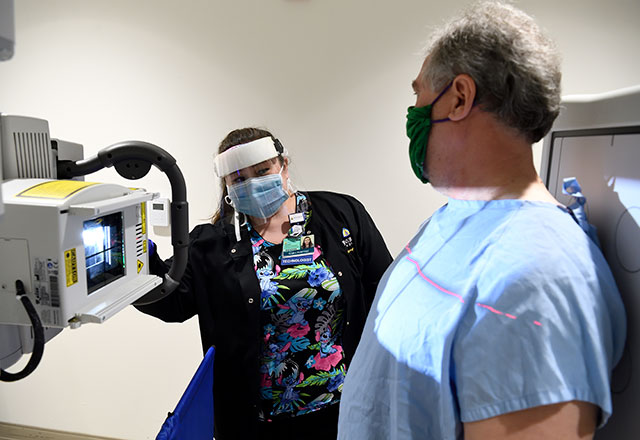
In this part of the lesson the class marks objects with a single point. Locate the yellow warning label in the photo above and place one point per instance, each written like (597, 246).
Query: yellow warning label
(140, 265)
(71, 267)
(55, 189)
(144, 247)
(144, 217)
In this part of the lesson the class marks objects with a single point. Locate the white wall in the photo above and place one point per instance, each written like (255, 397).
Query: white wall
(331, 78)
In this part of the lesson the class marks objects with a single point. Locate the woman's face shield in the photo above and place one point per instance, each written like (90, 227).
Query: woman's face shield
(247, 156)
(269, 166)
(255, 177)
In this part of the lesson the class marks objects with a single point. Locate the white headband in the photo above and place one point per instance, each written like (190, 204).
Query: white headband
(244, 155)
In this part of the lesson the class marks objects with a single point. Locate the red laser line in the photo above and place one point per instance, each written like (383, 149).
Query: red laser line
(448, 292)
(491, 309)
(442, 289)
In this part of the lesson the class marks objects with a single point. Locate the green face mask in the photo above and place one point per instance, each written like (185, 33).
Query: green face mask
(418, 127)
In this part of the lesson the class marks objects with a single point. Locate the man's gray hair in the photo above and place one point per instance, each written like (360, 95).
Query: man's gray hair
(515, 66)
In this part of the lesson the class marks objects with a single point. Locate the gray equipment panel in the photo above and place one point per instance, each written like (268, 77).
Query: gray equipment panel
(604, 155)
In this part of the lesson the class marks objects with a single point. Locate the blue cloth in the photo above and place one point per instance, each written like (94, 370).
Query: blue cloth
(152, 248)
(492, 307)
(571, 187)
(193, 416)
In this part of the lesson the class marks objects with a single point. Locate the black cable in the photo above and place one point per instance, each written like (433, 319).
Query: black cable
(38, 343)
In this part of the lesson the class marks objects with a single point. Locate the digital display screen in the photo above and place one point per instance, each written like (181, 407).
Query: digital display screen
(103, 250)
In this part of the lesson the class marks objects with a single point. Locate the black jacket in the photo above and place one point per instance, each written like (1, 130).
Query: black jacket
(221, 287)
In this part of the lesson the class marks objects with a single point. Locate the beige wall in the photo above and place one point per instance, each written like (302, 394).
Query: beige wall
(331, 78)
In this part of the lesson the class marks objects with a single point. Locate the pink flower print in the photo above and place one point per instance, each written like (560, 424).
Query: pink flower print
(316, 252)
(298, 330)
(327, 362)
(265, 381)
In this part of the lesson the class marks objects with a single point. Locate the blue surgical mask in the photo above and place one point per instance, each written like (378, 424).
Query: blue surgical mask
(258, 197)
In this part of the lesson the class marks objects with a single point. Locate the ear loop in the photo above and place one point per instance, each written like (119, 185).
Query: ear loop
(237, 224)
(291, 188)
(436, 100)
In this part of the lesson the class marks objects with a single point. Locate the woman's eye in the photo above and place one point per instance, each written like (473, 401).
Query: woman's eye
(263, 171)
(238, 179)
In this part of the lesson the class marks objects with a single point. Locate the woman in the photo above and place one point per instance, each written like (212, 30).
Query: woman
(306, 242)
(285, 321)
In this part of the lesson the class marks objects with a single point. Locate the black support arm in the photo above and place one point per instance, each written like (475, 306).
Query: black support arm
(133, 160)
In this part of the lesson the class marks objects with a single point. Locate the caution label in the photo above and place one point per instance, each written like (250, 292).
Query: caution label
(55, 189)
(143, 211)
(140, 265)
(71, 267)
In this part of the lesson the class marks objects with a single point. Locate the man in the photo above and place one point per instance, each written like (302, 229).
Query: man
(500, 319)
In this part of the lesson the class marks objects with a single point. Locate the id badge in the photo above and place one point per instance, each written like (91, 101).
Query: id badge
(297, 250)
(297, 224)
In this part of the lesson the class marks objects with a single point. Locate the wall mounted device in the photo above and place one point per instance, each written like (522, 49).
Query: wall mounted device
(596, 139)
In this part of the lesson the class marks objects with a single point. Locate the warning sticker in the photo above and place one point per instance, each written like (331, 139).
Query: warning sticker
(71, 267)
(144, 217)
(55, 189)
(140, 265)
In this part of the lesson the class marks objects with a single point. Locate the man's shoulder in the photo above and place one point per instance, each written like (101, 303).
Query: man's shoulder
(538, 226)
(548, 253)
(524, 242)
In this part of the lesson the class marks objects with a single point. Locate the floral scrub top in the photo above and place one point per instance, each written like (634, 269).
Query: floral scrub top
(302, 308)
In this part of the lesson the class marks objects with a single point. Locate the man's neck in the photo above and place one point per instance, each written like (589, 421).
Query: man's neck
(494, 162)
(533, 191)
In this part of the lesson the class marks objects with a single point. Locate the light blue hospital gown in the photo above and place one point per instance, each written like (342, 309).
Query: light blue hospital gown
(492, 307)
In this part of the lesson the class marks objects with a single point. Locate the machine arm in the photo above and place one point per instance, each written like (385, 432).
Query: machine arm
(133, 160)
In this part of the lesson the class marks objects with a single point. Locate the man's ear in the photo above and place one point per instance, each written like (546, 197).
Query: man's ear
(464, 91)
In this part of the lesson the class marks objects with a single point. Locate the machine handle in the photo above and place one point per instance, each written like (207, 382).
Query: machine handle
(133, 160)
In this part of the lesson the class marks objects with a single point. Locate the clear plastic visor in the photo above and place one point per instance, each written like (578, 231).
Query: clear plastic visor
(258, 191)
(253, 175)
(245, 159)
(269, 166)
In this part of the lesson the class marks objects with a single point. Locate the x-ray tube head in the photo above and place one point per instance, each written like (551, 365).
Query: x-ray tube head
(79, 248)
(74, 252)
